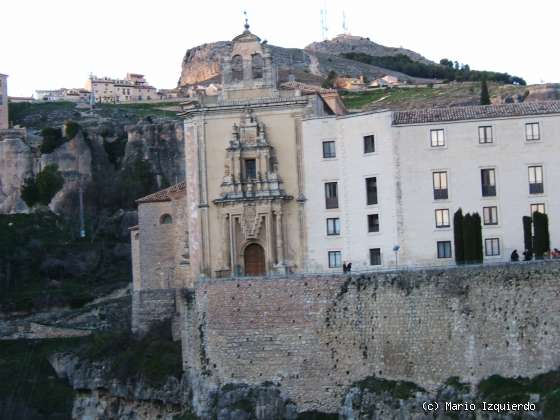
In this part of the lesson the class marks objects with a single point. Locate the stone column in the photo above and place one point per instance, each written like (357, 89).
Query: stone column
(226, 244)
(279, 238)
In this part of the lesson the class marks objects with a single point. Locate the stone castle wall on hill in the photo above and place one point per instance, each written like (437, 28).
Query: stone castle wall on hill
(316, 335)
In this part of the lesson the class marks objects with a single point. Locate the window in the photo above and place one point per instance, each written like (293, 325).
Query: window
(444, 249)
(329, 150)
(440, 185)
(537, 207)
(333, 226)
(369, 144)
(437, 139)
(250, 168)
(165, 219)
(488, 181)
(334, 259)
(492, 247)
(375, 256)
(257, 64)
(532, 131)
(373, 222)
(371, 190)
(237, 68)
(331, 195)
(490, 215)
(442, 218)
(536, 180)
(485, 135)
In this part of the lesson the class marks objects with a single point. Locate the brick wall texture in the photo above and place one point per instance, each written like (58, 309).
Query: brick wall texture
(316, 335)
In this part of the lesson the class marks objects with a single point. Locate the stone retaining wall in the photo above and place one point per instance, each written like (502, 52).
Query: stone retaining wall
(316, 335)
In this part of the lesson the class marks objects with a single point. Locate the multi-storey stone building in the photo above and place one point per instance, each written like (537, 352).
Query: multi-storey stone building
(3, 101)
(381, 180)
(133, 88)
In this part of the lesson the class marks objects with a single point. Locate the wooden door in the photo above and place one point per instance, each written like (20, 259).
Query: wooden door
(254, 260)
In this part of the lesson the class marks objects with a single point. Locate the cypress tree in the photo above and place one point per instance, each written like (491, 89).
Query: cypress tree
(458, 237)
(542, 237)
(484, 95)
(469, 239)
(476, 226)
(528, 235)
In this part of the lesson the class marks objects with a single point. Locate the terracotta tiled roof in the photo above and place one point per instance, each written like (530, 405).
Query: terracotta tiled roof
(163, 195)
(435, 115)
(305, 87)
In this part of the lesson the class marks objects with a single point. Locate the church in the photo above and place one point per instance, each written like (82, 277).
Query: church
(241, 209)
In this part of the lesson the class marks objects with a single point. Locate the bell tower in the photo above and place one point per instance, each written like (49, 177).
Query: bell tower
(247, 71)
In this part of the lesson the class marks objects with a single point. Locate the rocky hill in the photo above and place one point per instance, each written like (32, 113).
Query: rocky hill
(347, 43)
(311, 64)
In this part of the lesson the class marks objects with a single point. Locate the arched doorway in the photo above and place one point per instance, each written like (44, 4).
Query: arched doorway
(254, 260)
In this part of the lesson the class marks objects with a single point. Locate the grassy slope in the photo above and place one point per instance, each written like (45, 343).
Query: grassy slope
(424, 97)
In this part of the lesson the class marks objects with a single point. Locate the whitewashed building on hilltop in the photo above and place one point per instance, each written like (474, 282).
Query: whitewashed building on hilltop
(378, 180)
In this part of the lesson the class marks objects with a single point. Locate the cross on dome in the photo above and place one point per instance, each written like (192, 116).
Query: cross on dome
(246, 21)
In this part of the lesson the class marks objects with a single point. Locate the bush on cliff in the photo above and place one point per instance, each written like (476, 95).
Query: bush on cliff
(52, 138)
(152, 357)
(43, 188)
(71, 128)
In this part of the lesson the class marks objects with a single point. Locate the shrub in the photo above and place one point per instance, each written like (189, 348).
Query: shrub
(30, 192)
(468, 237)
(42, 189)
(458, 237)
(49, 182)
(542, 236)
(528, 234)
(52, 138)
(484, 95)
(329, 81)
(71, 128)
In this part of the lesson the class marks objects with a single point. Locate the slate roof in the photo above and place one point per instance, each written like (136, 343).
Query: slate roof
(163, 195)
(460, 113)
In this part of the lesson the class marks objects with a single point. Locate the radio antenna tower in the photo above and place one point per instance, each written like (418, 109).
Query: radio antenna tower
(324, 28)
(344, 25)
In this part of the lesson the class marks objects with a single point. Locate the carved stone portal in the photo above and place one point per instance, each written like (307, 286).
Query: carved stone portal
(252, 199)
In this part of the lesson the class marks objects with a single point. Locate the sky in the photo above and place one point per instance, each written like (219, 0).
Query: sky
(48, 44)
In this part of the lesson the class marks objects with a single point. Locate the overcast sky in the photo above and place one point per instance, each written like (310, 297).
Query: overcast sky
(47, 44)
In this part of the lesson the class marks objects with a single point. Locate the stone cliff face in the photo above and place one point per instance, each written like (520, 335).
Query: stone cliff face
(86, 158)
(203, 63)
(16, 164)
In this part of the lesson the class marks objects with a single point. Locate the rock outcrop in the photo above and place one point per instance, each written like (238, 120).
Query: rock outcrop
(16, 164)
(312, 64)
(346, 43)
(91, 156)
